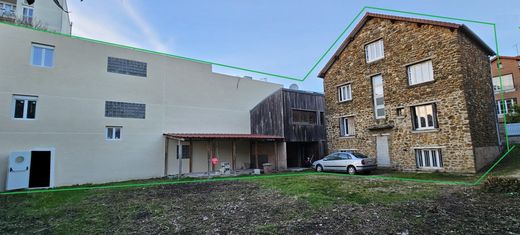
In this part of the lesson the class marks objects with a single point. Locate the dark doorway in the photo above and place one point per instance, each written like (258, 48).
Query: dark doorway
(40, 174)
(297, 152)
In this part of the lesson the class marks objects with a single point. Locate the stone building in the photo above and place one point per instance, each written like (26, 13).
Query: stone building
(415, 93)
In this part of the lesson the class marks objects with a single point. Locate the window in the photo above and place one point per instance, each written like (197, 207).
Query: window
(428, 158)
(114, 132)
(304, 117)
(322, 118)
(509, 106)
(346, 126)
(24, 107)
(507, 83)
(185, 152)
(424, 117)
(500, 65)
(42, 55)
(374, 51)
(7, 10)
(379, 97)
(128, 67)
(125, 110)
(399, 112)
(27, 15)
(420, 73)
(345, 93)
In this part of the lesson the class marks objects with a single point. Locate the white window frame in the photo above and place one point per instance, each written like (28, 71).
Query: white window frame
(346, 127)
(374, 51)
(496, 83)
(113, 136)
(44, 51)
(376, 96)
(26, 18)
(424, 68)
(418, 118)
(25, 106)
(345, 93)
(500, 107)
(431, 151)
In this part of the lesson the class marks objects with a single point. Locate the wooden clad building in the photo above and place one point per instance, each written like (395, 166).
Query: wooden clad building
(298, 116)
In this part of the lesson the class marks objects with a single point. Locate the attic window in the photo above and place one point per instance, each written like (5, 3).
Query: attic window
(375, 51)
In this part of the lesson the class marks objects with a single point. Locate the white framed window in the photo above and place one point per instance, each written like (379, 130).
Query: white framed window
(24, 107)
(27, 15)
(501, 110)
(113, 132)
(428, 158)
(420, 73)
(7, 10)
(346, 126)
(345, 93)
(379, 96)
(375, 51)
(507, 83)
(424, 117)
(42, 55)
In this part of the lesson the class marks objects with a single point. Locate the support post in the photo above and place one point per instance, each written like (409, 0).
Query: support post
(233, 155)
(166, 141)
(256, 154)
(275, 155)
(179, 156)
(209, 158)
(191, 155)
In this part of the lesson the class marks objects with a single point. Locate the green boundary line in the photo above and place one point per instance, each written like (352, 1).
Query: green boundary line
(290, 78)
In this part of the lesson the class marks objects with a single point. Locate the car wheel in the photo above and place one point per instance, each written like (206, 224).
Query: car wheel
(351, 170)
(319, 168)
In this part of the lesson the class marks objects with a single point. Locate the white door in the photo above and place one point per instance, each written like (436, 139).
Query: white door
(18, 172)
(383, 155)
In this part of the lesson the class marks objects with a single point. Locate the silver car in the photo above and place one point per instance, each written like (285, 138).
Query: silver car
(351, 162)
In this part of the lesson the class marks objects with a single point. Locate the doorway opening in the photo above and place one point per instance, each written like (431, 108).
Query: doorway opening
(301, 154)
(40, 173)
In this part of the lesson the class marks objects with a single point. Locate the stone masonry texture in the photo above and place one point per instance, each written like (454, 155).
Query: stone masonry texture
(461, 90)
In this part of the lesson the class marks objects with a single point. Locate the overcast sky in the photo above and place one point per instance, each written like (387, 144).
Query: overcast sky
(284, 37)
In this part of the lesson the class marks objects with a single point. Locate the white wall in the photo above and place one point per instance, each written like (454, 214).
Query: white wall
(180, 96)
(47, 15)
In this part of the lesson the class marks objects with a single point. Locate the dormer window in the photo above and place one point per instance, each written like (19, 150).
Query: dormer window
(375, 51)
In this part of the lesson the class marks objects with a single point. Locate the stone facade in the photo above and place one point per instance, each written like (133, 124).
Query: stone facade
(461, 87)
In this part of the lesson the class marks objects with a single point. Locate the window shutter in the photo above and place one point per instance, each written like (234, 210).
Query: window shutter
(439, 152)
(414, 118)
(351, 128)
(435, 119)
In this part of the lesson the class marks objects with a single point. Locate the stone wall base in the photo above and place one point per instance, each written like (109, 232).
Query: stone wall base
(485, 155)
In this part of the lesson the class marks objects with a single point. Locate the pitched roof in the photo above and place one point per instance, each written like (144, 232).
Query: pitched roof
(506, 58)
(370, 15)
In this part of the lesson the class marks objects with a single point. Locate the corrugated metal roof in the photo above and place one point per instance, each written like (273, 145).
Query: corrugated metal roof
(222, 136)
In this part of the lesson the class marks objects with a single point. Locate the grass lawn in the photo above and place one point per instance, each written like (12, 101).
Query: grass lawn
(291, 204)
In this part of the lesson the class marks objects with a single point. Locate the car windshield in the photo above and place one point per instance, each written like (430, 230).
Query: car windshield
(359, 155)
